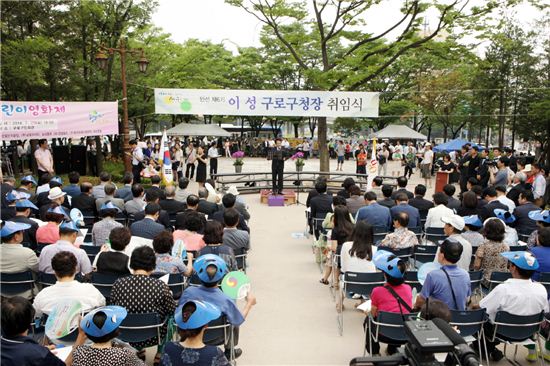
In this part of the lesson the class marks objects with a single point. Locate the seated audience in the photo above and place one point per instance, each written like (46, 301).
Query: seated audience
(233, 237)
(542, 218)
(64, 265)
(440, 210)
(27, 184)
(240, 203)
(99, 190)
(23, 210)
(49, 233)
(205, 206)
(344, 192)
(125, 193)
(501, 197)
(434, 308)
(542, 252)
(181, 192)
(357, 254)
(85, 202)
(422, 204)
(355, 201)
(148, 227)
(228, 201)
(166, 263)
(374, 213)
(386, 200)
(488, 258)
(155, 187)
(110, 190)
(213, 237)
(190, 236)
(340, 233)
(472, 224)
(136, 204)
(68, 233)
(102, 229)
(115, 261)
(518, 186)
(401, 236)
(377, 183)
(487, 211)
(524, 224)
(469, 205)
(402, 184)
(170, 204)
(163, 217)
(192, 206)
(17, 347)
(402, 205)
(454, 225)
(452, 202)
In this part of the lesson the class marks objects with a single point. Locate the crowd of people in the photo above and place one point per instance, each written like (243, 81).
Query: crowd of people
(141, 233)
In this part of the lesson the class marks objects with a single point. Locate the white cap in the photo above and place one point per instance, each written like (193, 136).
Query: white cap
(233, 190)
(55, 193)
(527, 168)
(428, 144)
(455, 221)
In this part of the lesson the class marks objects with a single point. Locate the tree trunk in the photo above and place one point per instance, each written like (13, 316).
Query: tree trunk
(501, 120)
(296, 125)
(99, 156)
(322, 142)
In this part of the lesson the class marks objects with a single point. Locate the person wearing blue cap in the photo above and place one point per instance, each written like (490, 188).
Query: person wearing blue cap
(192, 318)
(472, 224)
(27, 183)
(101, 229)
(101, 326)
(211, 269)
(23, 210)
(393, 297)
(8, 185)
(518, 295)
(542, 218)
(49, 233)
(17, 348)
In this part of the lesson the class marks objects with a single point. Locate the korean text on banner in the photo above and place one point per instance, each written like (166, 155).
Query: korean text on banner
(266, 103)
(32, 120)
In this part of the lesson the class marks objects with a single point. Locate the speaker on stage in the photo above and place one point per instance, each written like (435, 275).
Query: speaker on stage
(78, 159)
(61, 159)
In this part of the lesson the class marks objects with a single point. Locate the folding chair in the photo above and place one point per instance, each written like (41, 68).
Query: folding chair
(221, 333)
(411, 279)
(434, 234)
(517, 330)
(544, 278)
(523, 236)
(404, 253)
(334, 279)
(424, 254)
(475, 281)
(131, 220)
(387, 328)
(141, 327)
(359, 284)
(104, 283)
(40, 246)
(517, 248)
(121, 218)
(176, 283)
(497, 278)
(470, 324)
(91, 250)
(241, 255)
(13, 284)
(380, 233)
(418, 232)
(46, 279)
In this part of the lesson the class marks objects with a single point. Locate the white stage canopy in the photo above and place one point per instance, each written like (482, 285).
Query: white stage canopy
(190, 129)
(401, 132)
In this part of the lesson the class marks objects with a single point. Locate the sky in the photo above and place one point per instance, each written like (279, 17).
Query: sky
(216, 21)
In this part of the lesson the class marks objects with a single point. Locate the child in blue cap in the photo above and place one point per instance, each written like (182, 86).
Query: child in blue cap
(192, 319)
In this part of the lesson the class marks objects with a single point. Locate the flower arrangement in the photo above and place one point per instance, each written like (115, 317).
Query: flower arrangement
(299, 158)
(238, 156)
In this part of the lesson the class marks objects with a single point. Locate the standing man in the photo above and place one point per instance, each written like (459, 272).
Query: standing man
(277, 155)
(213, 155)
(44, 158)
(539, 184)
(340, 152)
(137, 159)
(426, 165)
(483, 169)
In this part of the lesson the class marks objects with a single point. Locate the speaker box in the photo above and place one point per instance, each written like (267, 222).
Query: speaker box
(78, 159)
(61, 159)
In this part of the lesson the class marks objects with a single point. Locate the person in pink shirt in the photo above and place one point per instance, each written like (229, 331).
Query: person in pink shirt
(192, 239)
(49, 233)
(393, 297)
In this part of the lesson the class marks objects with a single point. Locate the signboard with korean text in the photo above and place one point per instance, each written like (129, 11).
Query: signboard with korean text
(266, 103)
(34, 120)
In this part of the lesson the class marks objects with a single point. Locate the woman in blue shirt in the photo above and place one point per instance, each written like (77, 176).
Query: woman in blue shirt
(542, 252)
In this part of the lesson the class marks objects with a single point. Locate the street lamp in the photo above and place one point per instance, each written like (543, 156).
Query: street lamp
(102, 57)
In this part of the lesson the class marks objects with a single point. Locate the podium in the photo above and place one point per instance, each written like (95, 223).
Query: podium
(441, 180)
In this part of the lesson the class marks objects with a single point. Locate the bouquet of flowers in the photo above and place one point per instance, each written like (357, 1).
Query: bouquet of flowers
(238, 156)
(298, 158)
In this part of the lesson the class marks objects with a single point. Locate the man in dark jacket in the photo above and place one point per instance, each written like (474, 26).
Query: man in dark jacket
(320, 205)
(163, 217)
(419, 201)
(228, 201)
(86, 201)
(490, 195)
(206, 207)
(523, 223)
(402, 184)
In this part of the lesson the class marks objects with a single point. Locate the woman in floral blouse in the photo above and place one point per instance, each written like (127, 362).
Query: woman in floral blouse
(488, 256)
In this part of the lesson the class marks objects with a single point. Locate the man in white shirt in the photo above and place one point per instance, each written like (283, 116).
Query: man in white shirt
(44, 159)
(518, 295)
(454, 225)
(137, 159)
(213, 155)
(539, 184)
(67, 288)
(501, 197)
(426, 165)
(440, 210)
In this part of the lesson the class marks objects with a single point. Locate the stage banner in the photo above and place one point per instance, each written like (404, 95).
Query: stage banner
(34, 120)
(266, 103)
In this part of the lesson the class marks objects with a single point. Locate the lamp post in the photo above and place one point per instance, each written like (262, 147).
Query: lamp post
(101, 58)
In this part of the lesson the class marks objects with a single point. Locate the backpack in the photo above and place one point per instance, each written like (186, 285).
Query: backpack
(381, 159)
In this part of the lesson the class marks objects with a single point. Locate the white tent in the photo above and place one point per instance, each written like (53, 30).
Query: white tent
(189, 129)
(401, 132)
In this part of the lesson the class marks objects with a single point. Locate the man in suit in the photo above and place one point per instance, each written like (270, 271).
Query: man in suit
(56, 195)
(27, 184)
(228, 201)
(490, 195)
(170, 204)
(192, 206)
(419, 201)
(320, 205)
(483, 171)
(402, 184)
(148, 227)
(277, 155)
(99, 190)
(155, 187)
(452, 202)
(163, 217)
(207, 208)
(73, 189)
(402, 205)
(136, 204)
(523, 223)
(42, 198)
(518, 186)
(110, 190)
(22, 212)
(126, 192)
(374, 213)
(386, 200)
(85, 202)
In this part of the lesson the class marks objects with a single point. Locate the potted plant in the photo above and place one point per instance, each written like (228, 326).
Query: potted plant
(238, 163)
(299, 160)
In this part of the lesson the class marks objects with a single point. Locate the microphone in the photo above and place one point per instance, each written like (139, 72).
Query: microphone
(464, 353)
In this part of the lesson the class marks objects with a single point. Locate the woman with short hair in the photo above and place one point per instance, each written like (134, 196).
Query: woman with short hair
(488, 256)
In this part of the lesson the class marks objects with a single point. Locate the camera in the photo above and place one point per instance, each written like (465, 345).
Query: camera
(427, 338)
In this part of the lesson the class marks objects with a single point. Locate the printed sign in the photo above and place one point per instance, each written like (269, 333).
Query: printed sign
(266, 103)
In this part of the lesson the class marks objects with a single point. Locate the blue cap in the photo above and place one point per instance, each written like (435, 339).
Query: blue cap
(388, 264)
(109, 206)
(473, 220)
(11, 227)
(504, 215)
(204, 313)
(16, 195)
(69, 225)
(29, 178)
(115, 315)
(57, 180)
(58, 210)
(540, 215)
(25, 204)
(207, 260)
(523, 260)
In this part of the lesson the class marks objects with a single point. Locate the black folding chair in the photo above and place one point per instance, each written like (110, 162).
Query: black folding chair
(46, 279)
(380, 233)
(544, 278)
(141, 327)
(387, 328)
(470, 324)
(91, 250)
(176, 283)
(13, 284)
(434, 234)
(104, 282)
(220, 332)
(411, 279)
(497, 278)
(424, 254)
(241, 255)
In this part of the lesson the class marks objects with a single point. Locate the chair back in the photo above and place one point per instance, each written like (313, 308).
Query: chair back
(12, 284)
(475, 279)
(403, 253)
(379, 232)
(497, 278)
(46, 279)
(104, 282)
(424, 253)
(140, 327)
(516, 328)
(469, 322)
(411, 279)
(176, 282)
(91, 250)
(390, 326)
(517, 248)
(544, 279)
(240, 256)
(434, 234)
(218, 332)
(40, 246)
(362, 283)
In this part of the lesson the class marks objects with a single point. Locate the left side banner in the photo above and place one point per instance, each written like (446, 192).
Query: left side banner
(33, 120)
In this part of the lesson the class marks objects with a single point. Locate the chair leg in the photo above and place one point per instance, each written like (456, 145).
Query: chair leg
(482, 336)
(516, 352)
(340, 311)
(541, 358)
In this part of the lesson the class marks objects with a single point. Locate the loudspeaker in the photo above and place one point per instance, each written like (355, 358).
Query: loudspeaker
(78, 159)
(61, 159)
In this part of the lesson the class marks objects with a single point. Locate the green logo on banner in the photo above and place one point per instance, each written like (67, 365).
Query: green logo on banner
(186, 105)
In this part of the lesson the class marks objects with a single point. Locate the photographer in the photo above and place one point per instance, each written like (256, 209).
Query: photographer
(498, 176)
(483, 169)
